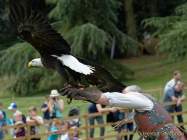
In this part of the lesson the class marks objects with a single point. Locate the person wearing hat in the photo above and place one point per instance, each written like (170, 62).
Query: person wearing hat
(14, 108)
(56, 105)
(152, 120)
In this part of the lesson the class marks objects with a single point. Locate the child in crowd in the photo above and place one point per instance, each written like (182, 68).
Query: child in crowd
(11, 121)
(64, 131)
(68, 133)
(74, 122)
(55, 129)
(19, 122)
(34, 120)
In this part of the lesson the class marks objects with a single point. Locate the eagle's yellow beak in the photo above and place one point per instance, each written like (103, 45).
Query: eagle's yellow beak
(29, 64)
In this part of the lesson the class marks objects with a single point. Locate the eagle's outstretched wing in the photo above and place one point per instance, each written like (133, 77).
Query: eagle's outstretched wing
(32, 26)
(102, 78)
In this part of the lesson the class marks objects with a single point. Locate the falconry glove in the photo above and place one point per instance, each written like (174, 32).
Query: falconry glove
(89, 94)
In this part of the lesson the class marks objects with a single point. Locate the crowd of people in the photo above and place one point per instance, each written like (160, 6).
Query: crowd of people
(53, 107)
(52, 110)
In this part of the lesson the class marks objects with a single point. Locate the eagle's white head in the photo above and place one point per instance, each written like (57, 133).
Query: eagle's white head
(35, 63)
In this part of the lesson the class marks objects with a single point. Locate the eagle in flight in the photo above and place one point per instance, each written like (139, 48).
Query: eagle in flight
(32, 26)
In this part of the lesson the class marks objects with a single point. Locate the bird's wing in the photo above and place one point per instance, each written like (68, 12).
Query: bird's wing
(33, 27)
(74, 64)
(101, 77)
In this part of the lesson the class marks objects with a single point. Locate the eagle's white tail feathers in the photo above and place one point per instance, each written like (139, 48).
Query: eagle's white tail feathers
(74, 64)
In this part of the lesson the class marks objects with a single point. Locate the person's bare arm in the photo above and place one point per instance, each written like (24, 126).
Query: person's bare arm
(50, 105)
(31, 122)
(174, 99)
(103, 100)
(182, 98)
(179, 101)
(102, 110)
(38, 120)
(61, 105)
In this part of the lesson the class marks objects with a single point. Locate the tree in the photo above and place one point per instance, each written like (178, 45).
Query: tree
(81, 19)
(172, 32)
(24, 81)
(84, 27)
(130, 18)
(5, 32)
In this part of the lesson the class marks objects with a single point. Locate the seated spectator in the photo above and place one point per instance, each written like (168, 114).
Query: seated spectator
(19, 131)
(56, 105)
(2, 124)
(34, 120)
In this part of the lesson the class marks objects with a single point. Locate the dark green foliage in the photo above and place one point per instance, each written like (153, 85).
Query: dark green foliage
(118, 70)
(87, 39)
(5, 32)
(172, 32)
(25, 81)
(3, 18)
(90, 26)
(94, 21)
(14, 60)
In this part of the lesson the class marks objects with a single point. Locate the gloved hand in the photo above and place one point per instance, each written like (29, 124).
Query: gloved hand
(91, 94)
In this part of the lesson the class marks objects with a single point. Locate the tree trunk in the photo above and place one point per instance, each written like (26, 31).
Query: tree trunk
(154, 7)
(130, 18)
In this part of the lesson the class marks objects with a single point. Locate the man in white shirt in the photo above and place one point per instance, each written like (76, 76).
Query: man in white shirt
(152, 120)
(170, 84)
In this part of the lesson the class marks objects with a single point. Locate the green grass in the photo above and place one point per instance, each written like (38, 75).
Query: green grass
(151, 72)
(154, 72)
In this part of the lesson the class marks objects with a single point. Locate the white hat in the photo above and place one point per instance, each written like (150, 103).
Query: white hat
(54, 93)
(12, 106)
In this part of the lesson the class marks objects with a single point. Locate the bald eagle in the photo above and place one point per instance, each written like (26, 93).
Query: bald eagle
(32, 26)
